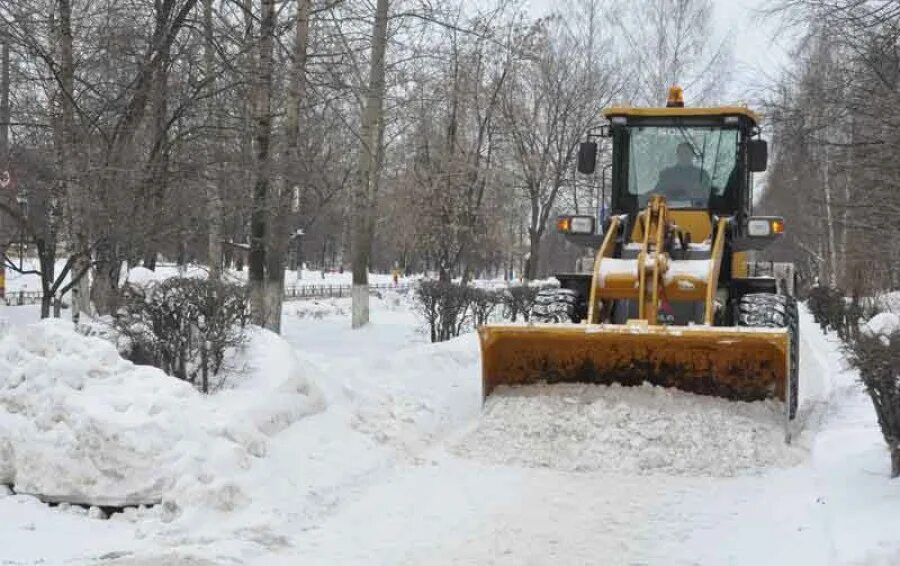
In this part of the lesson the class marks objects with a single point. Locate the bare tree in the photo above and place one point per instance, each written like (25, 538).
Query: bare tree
(550, 104)
(291, 179)
(213, 193)
(370, 160)
(260, 221)
(670, 41)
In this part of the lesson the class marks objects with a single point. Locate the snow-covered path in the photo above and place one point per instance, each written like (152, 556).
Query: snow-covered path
(433, 505)
(404, 468)
(444, 509)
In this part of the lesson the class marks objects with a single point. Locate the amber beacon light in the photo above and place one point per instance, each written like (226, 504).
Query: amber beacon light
(676, 97)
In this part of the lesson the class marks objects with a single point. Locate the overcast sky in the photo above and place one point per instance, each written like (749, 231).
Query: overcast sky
(759, 51)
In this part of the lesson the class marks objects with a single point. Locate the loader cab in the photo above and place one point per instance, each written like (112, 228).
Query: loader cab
(700, 159)
(696, 162)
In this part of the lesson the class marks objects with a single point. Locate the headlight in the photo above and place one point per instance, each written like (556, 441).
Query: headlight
(576, 224)
(765, 227)
(759, 227)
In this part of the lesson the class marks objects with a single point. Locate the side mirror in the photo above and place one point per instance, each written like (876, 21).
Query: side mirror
(587, 158)
(757, 155)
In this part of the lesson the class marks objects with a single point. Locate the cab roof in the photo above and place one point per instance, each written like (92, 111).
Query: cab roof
(683, 111)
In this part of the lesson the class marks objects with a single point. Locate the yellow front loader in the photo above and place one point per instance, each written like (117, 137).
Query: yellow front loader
(671, 297)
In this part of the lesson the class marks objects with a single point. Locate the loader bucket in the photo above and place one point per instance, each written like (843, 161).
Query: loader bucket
(746, 364)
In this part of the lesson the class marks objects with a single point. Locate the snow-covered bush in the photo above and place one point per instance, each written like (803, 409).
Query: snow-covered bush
(444, 307)
(876, 354)
(827, 307)
(832, 310)
(183, 326)
(519, 299)
(483, 303)
(449, 309)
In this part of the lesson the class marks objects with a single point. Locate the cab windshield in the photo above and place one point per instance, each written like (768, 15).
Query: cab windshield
(688, 165)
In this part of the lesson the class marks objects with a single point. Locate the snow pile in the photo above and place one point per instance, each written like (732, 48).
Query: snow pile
(882, 324)
(888, 302)
(421, 393)
(270, 390)
(644, 430)
(79, 423)
(141, 276)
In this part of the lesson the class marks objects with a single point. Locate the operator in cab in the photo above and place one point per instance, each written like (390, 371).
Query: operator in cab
(684, 180)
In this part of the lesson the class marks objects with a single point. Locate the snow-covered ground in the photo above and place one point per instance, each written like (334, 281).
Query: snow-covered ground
(371, 447)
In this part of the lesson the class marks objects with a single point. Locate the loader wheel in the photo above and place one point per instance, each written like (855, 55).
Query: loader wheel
(768, 310)
(555, 306)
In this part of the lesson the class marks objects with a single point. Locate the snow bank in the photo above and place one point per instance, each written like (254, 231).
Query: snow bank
(882, 324)
(79, 423)
(644, 430)
(271, 389)
(142, 276)
(888, 302)
(422, 392)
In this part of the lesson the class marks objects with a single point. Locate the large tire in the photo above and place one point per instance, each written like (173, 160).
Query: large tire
(768, 310)
(555, 306)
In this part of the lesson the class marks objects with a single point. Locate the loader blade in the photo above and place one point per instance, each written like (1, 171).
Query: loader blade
(746, 364)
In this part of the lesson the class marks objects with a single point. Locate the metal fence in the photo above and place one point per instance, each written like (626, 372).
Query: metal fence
(18, 298)
(336, 291)
(294, 293)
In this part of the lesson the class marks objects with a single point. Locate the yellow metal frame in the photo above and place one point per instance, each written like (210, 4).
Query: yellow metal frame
(716, 260)
(650, 282)
(606, 250)
(688, 112)
(652, 255)
(688, 221)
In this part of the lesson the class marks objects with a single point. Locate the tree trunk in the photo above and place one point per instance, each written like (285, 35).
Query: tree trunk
(829, 224)
(47, 259)
(282, 211)
(66, 153)
(81, 300)
(534, 251)
(259, 222)
(275, 259)
(213, 196)
(4, 102)
(4, 116)
(895, 460)
(105, 285)
(156, 186)
(369, 170)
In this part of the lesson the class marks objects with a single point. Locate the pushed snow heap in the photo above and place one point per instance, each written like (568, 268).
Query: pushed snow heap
(882, 324)
(630, 430)
(80, 424)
